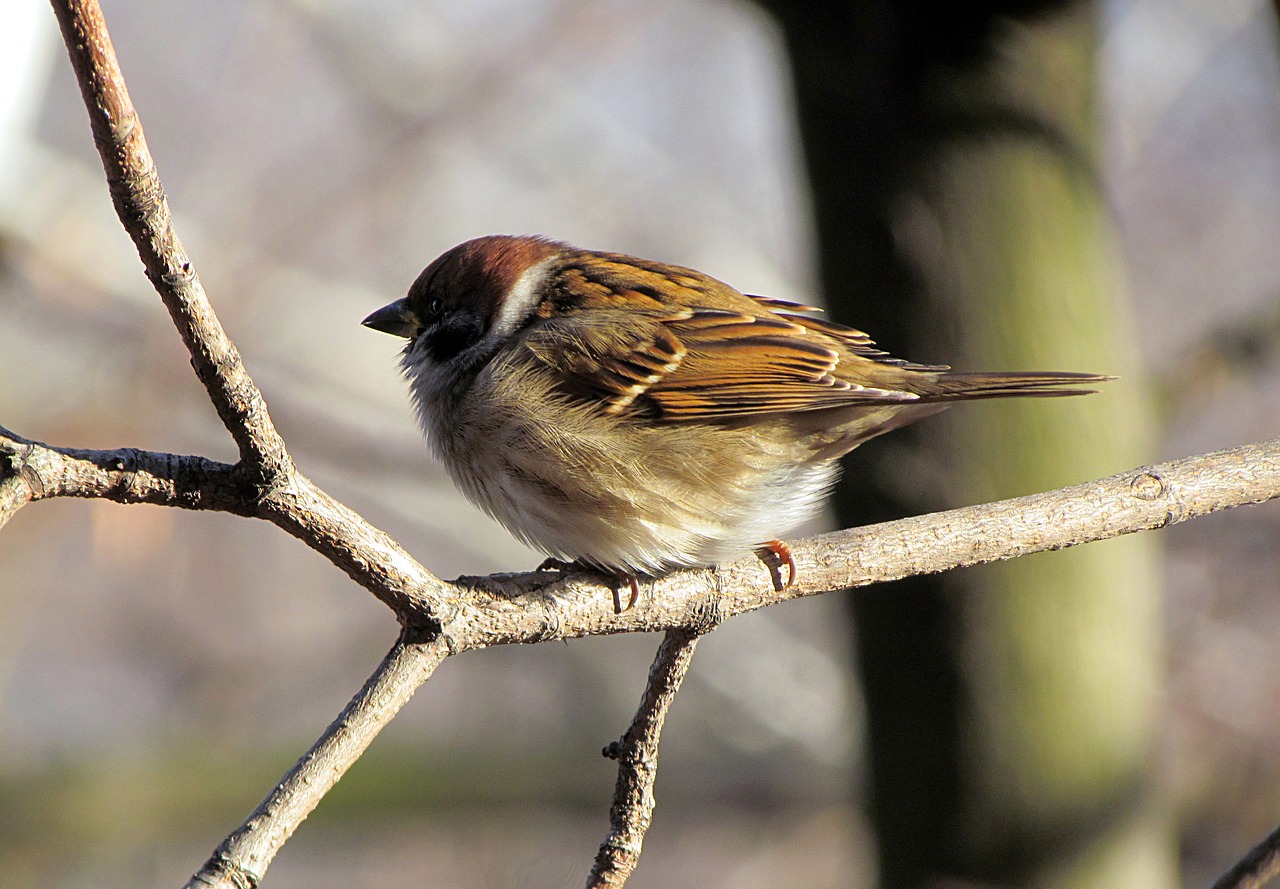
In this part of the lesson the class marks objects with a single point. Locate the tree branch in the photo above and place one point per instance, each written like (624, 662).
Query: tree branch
(140, 203)
(637, 756)
(243, 857)
(1138, 500)
(129, 475)
(14, 494)
(502, 609)
(285, 497)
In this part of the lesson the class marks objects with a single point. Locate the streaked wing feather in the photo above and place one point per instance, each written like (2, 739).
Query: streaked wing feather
(700, 364)
(642, 338)
(681, 363)
(855, 340)
(774, 304)
(740, 399)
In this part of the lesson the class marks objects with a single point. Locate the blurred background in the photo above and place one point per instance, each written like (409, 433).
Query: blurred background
(1067, 186)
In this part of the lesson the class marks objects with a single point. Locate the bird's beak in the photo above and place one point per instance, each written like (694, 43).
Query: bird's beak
(394, 318)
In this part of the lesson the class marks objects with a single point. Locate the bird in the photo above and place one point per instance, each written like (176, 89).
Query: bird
(637, 417)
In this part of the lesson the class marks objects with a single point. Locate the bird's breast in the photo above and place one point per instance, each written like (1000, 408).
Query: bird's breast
(627, 496)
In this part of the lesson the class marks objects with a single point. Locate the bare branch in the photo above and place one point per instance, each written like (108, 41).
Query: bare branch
(125, 475)
(129, 475)
(477, 612)
(243, 857)
(143, 209)
(637, 756)
(1137, 500)
(1256, 868)
(283, 495)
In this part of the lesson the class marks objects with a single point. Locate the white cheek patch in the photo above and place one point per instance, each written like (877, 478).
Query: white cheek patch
(521, 299)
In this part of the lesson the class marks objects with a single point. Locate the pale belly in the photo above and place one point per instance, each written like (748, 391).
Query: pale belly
(659, 502)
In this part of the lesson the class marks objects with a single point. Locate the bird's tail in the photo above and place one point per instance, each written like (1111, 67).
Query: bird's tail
(866, 421)
(966, 386)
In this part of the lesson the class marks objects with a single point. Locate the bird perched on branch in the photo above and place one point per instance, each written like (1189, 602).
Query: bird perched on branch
(639, 417)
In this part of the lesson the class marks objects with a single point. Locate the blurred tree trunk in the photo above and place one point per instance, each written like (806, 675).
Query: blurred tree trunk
(1013, 710)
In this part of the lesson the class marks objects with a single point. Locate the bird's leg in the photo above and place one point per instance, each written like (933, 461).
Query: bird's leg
(775, 554)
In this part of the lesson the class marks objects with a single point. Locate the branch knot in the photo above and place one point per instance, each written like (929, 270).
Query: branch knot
(1148, 486)
(220, 870)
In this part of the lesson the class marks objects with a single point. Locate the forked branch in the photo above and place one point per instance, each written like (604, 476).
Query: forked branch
(265, 468)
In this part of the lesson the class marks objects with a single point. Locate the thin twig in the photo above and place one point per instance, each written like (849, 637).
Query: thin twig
(140, 202)
(130, 475)
(1261, 864)
(637, 756)
(284, 496)
(243, 857)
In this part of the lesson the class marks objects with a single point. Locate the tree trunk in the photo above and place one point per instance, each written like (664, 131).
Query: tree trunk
(1012, 710)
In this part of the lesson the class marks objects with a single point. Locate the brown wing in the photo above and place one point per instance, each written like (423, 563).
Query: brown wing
(743, 363)
(700, 363)
(669, 343)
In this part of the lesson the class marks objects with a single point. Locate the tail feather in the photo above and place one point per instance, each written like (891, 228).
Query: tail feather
(965, 386)
(867, 420)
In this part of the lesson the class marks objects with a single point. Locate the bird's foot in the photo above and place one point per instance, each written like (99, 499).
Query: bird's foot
(775, 554)
(630, 581)
(633, 587)
(551, 563)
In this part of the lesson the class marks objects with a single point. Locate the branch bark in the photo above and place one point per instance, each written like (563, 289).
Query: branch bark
(242, 858)
(503, 609)
(637, 756)
(140, 203)
(14, 494)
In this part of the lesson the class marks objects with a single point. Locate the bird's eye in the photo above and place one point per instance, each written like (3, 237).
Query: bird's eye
(435, 306)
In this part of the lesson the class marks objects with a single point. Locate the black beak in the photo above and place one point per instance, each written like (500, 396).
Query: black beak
(394, 318)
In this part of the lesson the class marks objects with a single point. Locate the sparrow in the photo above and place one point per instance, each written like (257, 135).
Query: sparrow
(639, 417)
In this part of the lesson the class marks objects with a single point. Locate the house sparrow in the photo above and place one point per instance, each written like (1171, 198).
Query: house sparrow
(639, 417)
